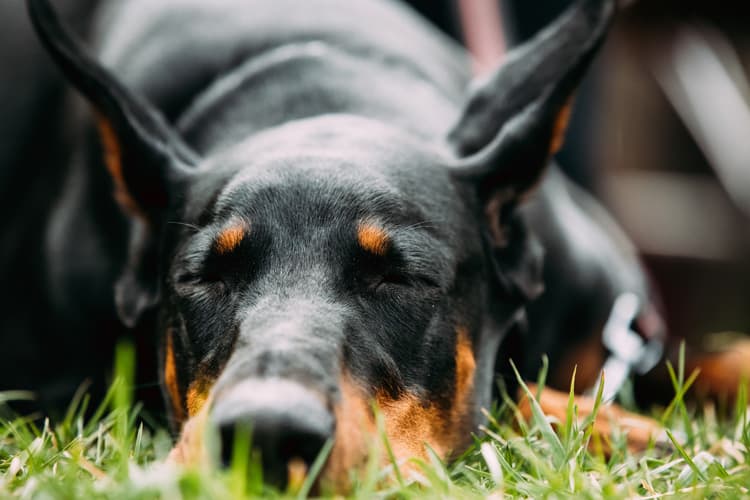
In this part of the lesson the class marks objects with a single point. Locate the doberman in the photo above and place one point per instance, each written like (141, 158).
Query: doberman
(313, 216)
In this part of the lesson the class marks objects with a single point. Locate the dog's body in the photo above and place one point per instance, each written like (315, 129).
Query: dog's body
(317, 243)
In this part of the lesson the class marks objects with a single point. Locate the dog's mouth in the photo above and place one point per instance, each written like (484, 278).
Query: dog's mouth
(298, 436)
(290, 430)
(297, 430)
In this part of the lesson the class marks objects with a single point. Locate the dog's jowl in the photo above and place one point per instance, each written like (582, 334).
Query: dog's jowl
(319, 223)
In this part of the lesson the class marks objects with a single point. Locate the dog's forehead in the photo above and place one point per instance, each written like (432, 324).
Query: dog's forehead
(367, 164)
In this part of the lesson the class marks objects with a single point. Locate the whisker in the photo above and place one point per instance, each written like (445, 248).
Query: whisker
(427, 223)
(186, 224)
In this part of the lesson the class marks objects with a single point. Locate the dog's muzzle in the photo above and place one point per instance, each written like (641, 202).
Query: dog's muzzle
(284, 421)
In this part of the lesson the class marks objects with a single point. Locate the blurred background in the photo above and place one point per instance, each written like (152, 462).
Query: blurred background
(660, 134)
(671, 143)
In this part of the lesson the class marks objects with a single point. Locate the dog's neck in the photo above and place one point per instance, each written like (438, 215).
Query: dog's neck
(309, 79)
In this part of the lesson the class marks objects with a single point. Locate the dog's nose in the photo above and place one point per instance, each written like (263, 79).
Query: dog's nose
(287, 423)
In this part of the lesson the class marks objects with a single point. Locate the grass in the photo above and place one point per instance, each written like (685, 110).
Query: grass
(114, 454)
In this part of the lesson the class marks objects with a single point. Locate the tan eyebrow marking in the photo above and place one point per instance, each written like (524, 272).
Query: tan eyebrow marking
(373, 238)
(231, 236)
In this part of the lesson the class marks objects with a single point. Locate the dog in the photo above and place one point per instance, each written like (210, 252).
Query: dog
(310, 208)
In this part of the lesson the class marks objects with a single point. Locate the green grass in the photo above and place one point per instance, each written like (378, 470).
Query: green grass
(114, 454)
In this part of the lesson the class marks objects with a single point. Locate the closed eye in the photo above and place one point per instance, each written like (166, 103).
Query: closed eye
(392, 279)
(394, 270)
(201, 263)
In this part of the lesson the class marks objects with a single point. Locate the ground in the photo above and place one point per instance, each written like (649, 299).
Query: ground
(115, 453)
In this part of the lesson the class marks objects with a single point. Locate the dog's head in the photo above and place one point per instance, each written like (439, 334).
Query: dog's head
(334, 262)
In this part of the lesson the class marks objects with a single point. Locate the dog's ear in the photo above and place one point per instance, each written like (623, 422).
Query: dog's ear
(516, 118)
(148, 161)
(515, 121)
(143, 154)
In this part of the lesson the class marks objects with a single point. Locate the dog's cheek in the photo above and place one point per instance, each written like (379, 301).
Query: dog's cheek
(198, 393)
(355, 431)
(171, 382)
(463, 398)
(408, 423)
(411, 423)
(198, 390)
(190, 448)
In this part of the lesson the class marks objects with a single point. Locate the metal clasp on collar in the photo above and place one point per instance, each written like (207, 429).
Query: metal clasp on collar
(629, 351)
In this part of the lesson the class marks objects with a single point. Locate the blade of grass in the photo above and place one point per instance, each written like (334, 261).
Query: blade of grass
(588, 422)
(315, 469)
(696, 470)
(240, 463)
(680, 391)
(393, 460)
(541, 422)
(541, 378)
(567, 430)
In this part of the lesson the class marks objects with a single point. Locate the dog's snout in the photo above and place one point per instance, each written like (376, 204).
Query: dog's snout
(286, 422)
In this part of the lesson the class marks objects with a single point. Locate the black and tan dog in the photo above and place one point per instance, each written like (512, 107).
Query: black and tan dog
(318, 216)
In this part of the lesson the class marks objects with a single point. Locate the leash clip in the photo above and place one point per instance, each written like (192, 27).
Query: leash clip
(629, 351)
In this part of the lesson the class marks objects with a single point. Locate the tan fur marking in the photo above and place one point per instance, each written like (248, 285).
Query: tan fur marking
(355, 429)
(561, 126)
(170, 380)
(113, 161)
(197, 394)
(373, 238)
(410, 422)
(640, 430)
(465, 367)
(296, 474)
(230, 237)
(190, 448)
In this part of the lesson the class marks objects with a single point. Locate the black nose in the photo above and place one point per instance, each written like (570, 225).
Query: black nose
(286, 422)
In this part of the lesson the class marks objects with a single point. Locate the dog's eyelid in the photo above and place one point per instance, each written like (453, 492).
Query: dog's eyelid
(398, 267)
(421, 275)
